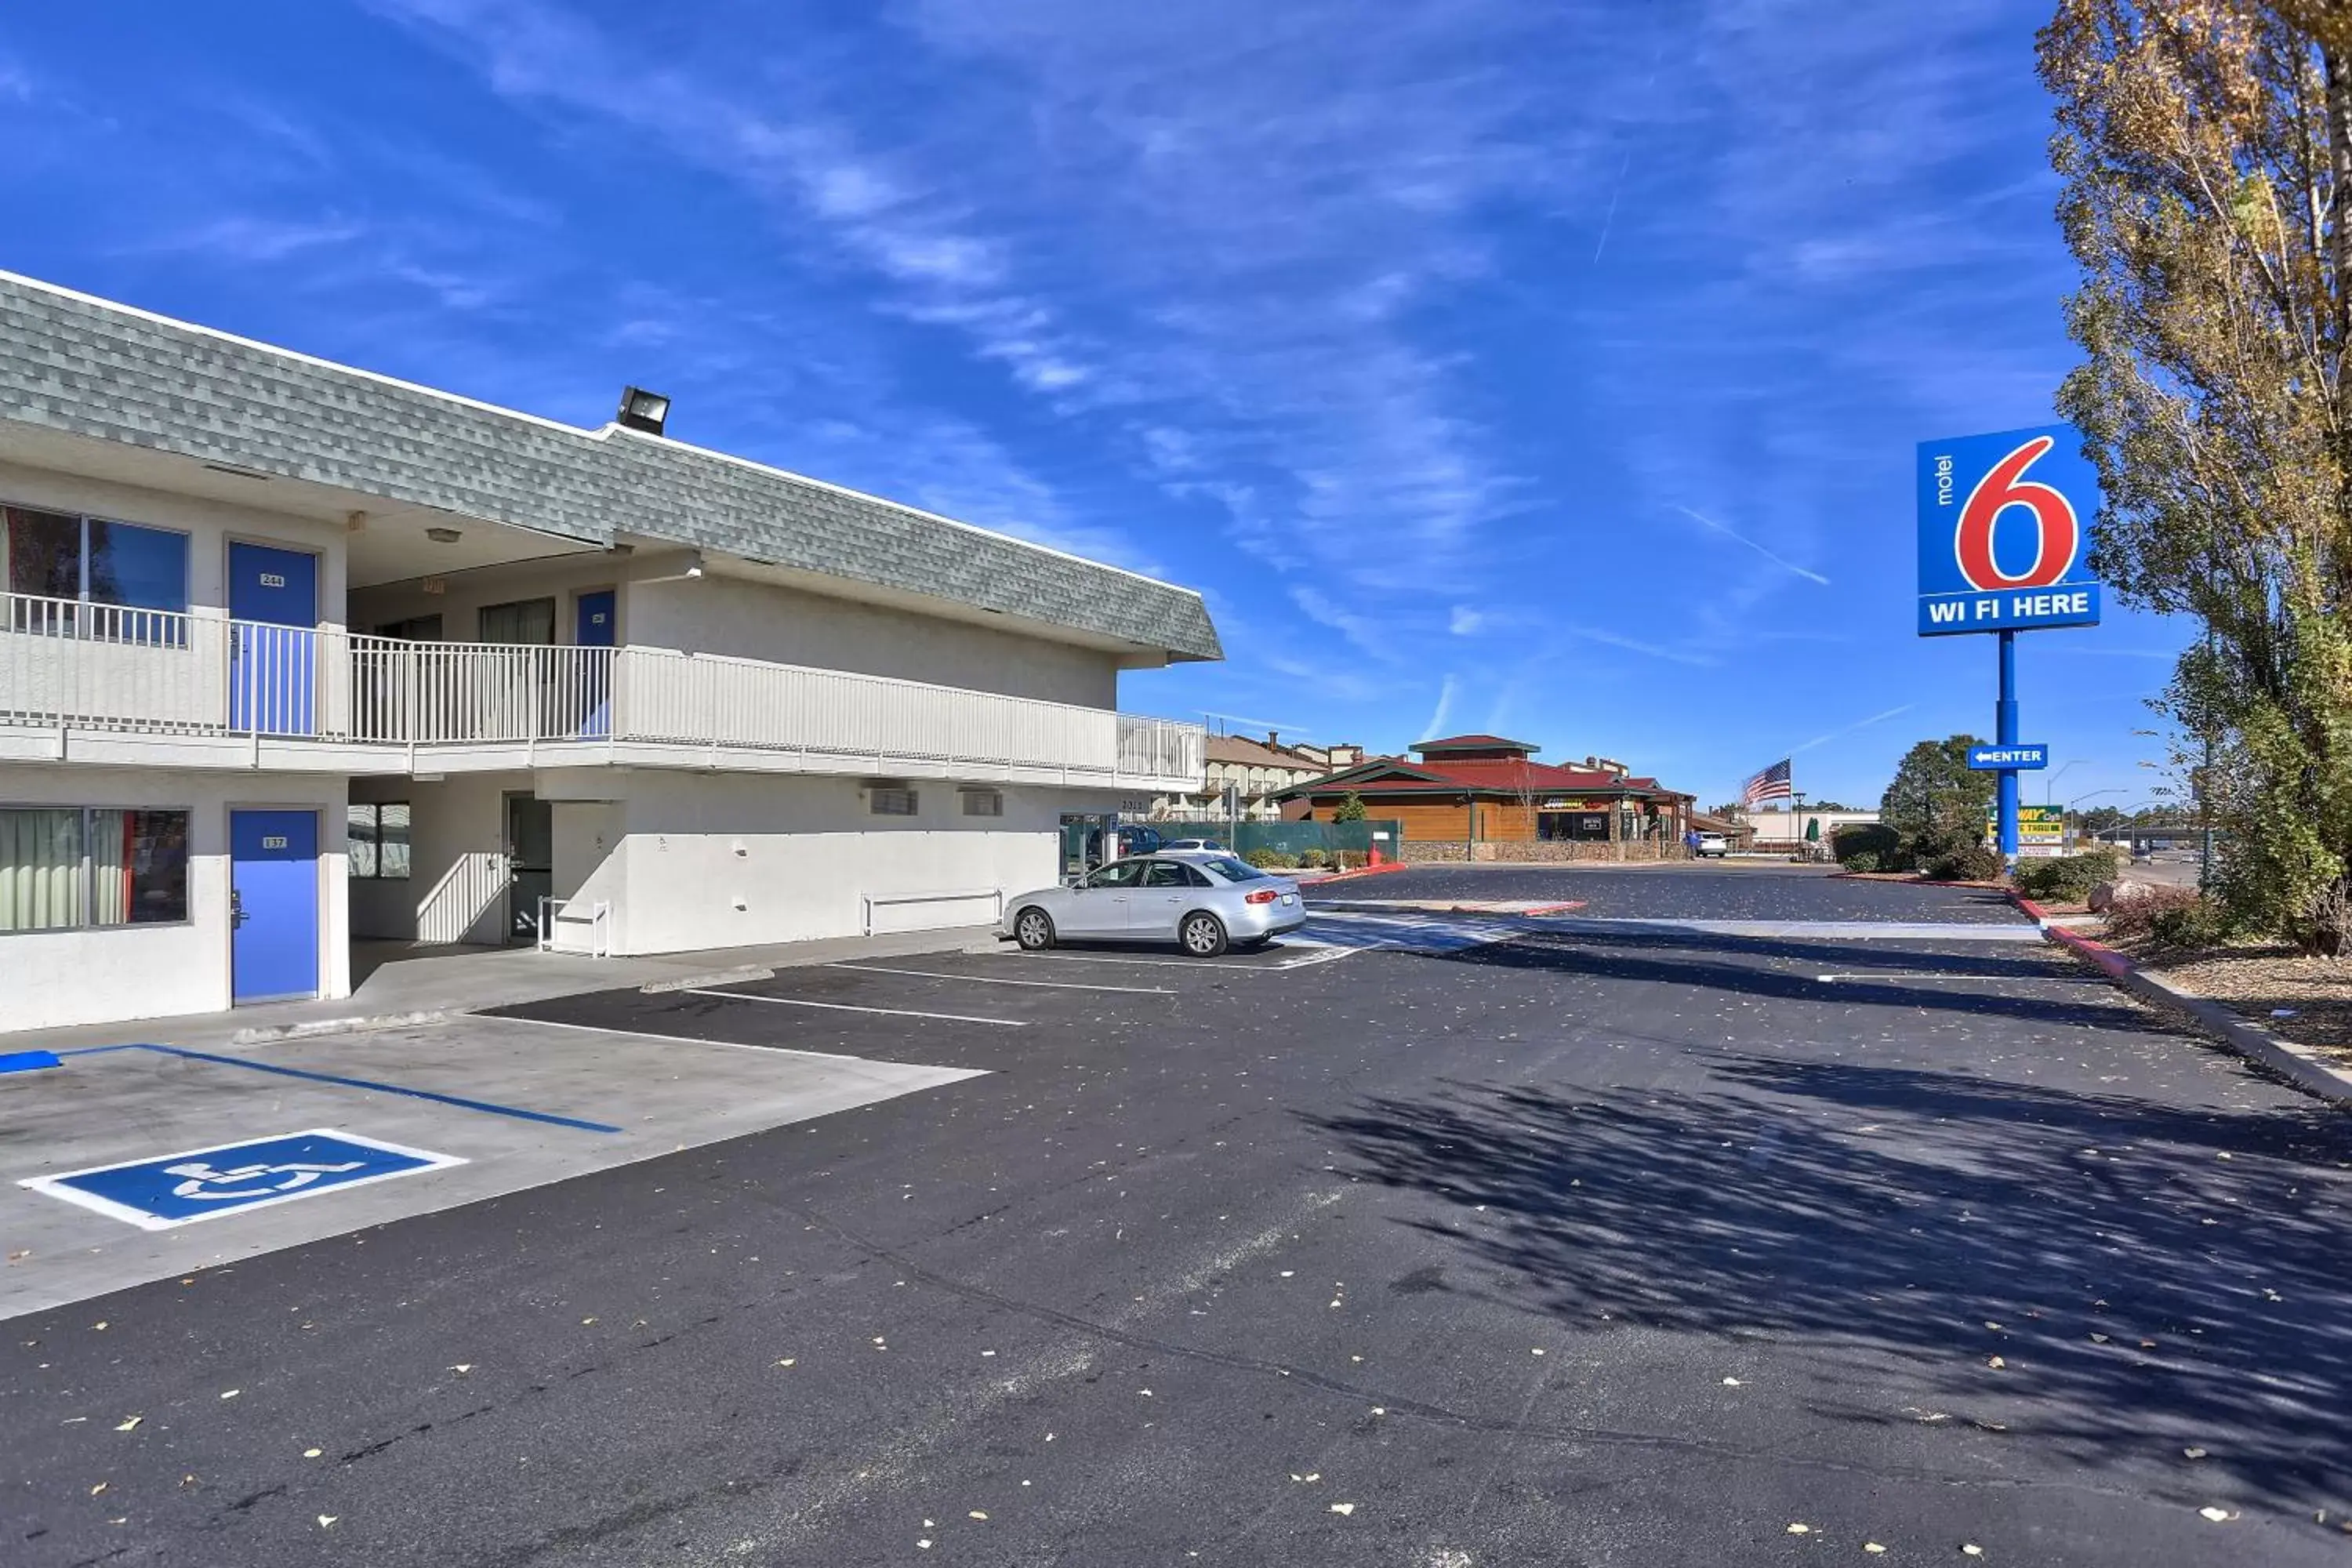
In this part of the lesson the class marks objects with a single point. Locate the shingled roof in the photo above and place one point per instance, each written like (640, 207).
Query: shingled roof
(88, 367)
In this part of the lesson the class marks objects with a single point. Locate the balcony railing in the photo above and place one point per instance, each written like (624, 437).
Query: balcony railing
(68, 664)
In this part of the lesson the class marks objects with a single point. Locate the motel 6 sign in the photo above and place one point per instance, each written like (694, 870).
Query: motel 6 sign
(2004, 525)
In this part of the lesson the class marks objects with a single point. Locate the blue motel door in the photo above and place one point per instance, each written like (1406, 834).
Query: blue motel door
(595, 628)
(273, 905)
(273, 653)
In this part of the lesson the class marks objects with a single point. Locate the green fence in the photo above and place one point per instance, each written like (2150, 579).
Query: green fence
(1295, 839)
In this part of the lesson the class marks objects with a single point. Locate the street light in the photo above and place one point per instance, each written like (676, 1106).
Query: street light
(2094, 794)
(2049, 781)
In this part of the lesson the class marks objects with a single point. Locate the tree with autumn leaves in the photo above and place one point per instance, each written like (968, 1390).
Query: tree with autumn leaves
(2206, 148)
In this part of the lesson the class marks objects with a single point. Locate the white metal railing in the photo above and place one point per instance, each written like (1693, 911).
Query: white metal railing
(553, 911)
(64, 664)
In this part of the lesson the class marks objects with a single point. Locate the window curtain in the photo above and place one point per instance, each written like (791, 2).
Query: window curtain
(531, 621)
(110, 861)
(41, 869)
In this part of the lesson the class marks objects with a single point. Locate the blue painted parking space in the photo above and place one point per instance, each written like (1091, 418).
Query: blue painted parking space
(163, 1191)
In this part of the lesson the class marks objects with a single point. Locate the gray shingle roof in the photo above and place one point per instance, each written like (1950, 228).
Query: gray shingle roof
(87, 367)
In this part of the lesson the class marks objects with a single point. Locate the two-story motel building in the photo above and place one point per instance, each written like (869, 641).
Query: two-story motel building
(291, 654)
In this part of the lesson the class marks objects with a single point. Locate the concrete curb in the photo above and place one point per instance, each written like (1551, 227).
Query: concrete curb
(1346, 876)
(716, 977)
(266, 1033)
(2298, 1065)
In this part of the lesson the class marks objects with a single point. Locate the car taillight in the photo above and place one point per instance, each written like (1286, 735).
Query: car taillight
(1263, 896)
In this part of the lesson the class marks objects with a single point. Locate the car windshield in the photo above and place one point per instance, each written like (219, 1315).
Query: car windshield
(1234, 871)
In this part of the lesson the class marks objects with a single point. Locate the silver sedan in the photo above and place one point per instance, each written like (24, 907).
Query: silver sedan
(1203, 903)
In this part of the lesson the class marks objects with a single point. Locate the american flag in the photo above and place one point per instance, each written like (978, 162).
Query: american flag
(1772, 784)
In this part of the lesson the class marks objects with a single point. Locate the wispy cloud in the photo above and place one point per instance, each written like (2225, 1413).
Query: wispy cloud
(1857, 725)
(1466, 621)
(253, 240)
(1738, 537)
(1435, 727)
(1674, 655)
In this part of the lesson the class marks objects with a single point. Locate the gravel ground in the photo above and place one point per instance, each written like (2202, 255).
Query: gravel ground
(2256, 981)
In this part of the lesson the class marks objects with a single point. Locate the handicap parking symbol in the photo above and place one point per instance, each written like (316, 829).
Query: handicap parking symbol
(167, 1190)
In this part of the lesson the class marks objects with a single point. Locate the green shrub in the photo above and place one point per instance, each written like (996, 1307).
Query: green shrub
(1875, 839)
(2069, 878)
(1313, 859)
(1966, 863)
(1263, 859)
(1860, 860)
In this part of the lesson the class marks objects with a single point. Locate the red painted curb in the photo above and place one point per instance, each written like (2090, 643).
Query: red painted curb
(2114, 963)
(2030, 909)
(1350, 876)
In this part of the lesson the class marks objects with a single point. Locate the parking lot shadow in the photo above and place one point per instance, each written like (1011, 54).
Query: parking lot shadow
(2153, 1279)
(1709, 960)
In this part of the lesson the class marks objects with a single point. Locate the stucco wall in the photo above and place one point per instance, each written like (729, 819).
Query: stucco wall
(49, 979)
(463, 594)
(721, 861)
(457, 886)
(758, 620)
(209, 524)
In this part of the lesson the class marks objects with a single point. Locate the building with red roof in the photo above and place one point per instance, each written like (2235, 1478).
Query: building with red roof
(1488, 789)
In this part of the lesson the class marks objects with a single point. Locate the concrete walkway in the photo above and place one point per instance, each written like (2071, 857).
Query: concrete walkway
(466, 980)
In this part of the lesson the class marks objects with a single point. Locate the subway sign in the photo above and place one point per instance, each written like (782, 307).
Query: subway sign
(2004, 531)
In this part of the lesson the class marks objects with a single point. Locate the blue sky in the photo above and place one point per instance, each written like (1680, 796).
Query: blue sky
(1553, 369)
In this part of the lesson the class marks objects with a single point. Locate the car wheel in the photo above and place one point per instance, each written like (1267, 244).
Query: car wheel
(1203, 934)
(1034, 929)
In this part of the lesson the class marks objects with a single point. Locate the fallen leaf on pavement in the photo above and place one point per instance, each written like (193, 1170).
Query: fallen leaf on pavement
(130, 1426)
(2216, 1514)
(1343, 1508)
(327, 1520)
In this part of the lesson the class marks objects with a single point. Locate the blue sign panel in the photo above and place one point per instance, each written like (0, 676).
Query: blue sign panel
(2004, 525)
(232, 1178)
(1991, 759)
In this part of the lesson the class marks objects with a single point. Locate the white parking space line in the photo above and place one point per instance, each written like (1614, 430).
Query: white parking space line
(1325, 953)
(994, 979)
(1937, 974)
(686, 1039)
(846, 1007)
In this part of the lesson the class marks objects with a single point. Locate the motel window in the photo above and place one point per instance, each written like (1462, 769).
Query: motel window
(131, 570)
(531, 621)
(892, 801)
(70, 868)
(377, 836)
(983, 803)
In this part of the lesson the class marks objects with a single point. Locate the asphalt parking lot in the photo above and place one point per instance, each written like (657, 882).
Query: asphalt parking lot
(1457, 1243)
(1684, 890)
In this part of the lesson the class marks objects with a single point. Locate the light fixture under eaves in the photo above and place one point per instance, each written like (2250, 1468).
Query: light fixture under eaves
(693, 570)
(443, 535)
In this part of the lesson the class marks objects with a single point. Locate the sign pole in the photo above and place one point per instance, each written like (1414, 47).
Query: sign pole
(2005, 734)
